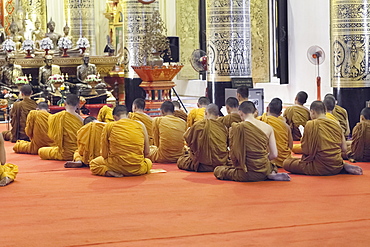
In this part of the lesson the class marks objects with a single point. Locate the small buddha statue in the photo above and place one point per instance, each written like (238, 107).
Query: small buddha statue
(37, 34)
(66, 30)
(15, 35)
(10, 71)
(46, 71)
(20, 21)
(53, 35)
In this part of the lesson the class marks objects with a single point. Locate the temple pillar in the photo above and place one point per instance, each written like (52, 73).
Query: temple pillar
(228, 45)
(80, 17)
(350, 41)
(135, 17)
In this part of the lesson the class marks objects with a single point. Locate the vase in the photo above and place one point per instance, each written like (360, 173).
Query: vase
(82, 50)
(155, 60)
(28, 54)
(65, 52)
(46, 52)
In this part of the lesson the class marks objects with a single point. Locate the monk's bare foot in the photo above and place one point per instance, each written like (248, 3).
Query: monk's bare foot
(5, 181)
(279, 176)
(73, 164)
(113, 174)
(351, 169)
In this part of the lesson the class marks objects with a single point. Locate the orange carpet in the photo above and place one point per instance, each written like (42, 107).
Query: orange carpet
(49, 205)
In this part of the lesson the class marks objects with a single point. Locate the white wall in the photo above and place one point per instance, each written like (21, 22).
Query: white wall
(309, 24)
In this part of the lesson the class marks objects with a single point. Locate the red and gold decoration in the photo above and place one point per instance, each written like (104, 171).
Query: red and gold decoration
(157, 83)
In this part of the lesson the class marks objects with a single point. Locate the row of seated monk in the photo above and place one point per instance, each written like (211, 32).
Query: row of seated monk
(237, 146)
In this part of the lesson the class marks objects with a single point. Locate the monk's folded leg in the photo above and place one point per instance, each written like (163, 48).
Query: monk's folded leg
(294, 165)
(22, 147)
(297, 149)
(7, 135)
(153, 153)
(205, 168)
(185, 163)
(50, 153)
(230, 173)
(8, 170)
(98, 166)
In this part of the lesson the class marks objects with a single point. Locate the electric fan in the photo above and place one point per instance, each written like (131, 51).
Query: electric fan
(198, 60)
(316, 56)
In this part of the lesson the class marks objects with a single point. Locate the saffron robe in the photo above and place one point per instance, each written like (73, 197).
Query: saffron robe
(18, 116)
(89, 142)
(248, 152)
(168, 132)
(341, 114)
(105, 114)
(63, 127)
(181, 114)
(146, 120)
(321, 147)
(331, 116)
(8, 170)
(37, 131)
(282, 136)
(195, 115)
(360, 146)
(295, 116)
(207, 140)
(122, 150)
(229, 119)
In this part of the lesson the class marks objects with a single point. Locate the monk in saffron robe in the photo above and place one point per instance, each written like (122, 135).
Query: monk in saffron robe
(322, 145)
(89, 143)
(232, 116)
(138, 114)
(168, 134)
(341, 115)
(297, 115)
(124, 145)
(197, 114)
(252, 146)
(242, 94)
(19, 114)
(283, 135)
(105, 114)
(179, 112)
(63, 127)
(360, 145)
(207, 140)
(36, 130)
(329, 103)
(8, 172)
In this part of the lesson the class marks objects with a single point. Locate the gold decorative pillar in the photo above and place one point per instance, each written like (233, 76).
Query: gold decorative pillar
(79, 16)
(135, 16)
(350, 54)
(187, 23)
(228, 45)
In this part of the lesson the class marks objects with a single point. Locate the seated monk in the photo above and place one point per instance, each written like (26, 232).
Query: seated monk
(207, 140)
(179, 112)
(233, 116)
(322, 145)
(8, 172)
(63, 127)
(242, 94)
(168, 132)
(341, 114)
(36, 130)
(124, 146)
(252, 146)
(18, 115)
(89, 143)
(105, 114)
(283, 135)
(197, 114)
(329, 103)
(138, 114)
(360, 145)
(297, 115)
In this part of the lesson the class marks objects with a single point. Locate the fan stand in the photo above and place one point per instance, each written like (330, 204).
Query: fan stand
(318, 78)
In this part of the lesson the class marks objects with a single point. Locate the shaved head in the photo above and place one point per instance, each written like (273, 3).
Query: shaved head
(43, 106)
(247, 107)
(329, 103)
(302, 97)
(276, 106)
(120, 110)
(366, 113)
(318, 107)
(167, 107)
(26, 90)
(89, 119)
(139, 103)
(212, 109)
(203, 101)
(232, 102)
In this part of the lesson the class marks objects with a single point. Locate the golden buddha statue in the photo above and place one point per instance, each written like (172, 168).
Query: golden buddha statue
(37, 34)
(15, 35)
(53, 35)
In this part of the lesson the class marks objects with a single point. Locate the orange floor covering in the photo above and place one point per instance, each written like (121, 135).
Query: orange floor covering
(49, 205)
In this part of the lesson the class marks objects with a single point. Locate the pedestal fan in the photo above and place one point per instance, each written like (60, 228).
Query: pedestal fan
(316, 56)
